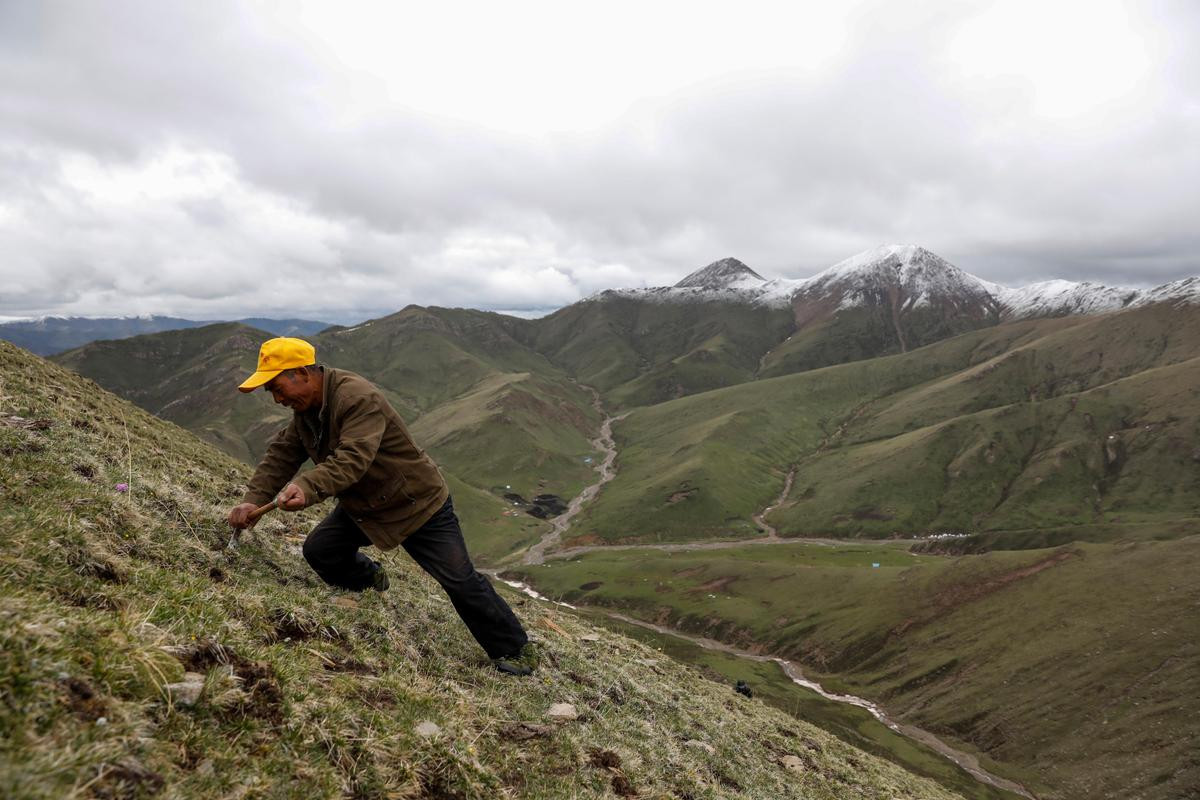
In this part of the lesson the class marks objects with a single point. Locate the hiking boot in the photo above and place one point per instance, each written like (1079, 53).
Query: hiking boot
(522, 663)
(379, 578)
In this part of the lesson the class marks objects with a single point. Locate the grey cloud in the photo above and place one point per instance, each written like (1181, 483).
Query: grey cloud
(788, 172)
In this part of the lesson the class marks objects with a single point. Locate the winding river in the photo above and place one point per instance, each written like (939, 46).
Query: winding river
(537, 554)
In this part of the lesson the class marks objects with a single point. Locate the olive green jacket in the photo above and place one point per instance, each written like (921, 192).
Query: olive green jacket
(364, 457)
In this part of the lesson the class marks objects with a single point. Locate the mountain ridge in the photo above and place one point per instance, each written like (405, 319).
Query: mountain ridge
(731, 279)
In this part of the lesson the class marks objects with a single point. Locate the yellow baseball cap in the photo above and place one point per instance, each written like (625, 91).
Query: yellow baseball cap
(275, 356)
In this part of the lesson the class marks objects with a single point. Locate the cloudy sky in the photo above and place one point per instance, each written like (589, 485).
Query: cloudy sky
(341, 160)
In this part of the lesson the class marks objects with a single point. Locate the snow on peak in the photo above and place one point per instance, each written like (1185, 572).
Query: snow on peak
(728, 273)
(919, 276)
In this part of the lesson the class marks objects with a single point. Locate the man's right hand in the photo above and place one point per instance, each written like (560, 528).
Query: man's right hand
(239, 517)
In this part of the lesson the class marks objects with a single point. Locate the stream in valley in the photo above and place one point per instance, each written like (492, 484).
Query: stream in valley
(537, 555)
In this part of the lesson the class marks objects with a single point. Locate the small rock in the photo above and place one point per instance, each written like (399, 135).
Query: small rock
(428, 729)
(562, 711)
(699, 745)
(793, 763)
(590, 637)
(187, 691)
(102, 721)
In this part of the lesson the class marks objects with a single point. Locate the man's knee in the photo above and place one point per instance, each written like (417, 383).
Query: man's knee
(318, 549)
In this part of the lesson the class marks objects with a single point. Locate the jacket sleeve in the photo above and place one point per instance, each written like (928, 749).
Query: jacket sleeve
(362, 429)
(285, 453)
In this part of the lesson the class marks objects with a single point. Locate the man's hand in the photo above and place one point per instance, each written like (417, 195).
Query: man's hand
(291, 498)
(239, 517)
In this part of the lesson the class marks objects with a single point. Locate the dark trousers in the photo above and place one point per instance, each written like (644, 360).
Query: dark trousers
(332, 550)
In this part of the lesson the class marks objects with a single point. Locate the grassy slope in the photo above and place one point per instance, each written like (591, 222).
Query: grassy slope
(188, 377)
(1001, 429)
(308, 690)
(488, 424)
(639, 352)
(1020, 655)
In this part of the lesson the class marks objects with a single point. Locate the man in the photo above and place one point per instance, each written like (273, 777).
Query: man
(389, 493)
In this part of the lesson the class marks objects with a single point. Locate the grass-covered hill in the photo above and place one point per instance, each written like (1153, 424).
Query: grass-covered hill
(1029, 432)
(492, 412)
(139, 657)
(186, 376)
(1071, 670)
(639, 351)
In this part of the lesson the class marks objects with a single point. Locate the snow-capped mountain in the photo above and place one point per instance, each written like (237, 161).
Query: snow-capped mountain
(907, 277)
(727, 279)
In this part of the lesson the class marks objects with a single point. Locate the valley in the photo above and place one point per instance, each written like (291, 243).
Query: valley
(908, 482)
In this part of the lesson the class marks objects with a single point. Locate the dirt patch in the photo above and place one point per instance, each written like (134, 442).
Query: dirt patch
(435, 787)
(349, 665)
(264, 698)
(582, 680)
(622, 787)
(689, 572)
(289, 625)
(715, 585)
(869, 512)
(520, 731)
(125, 780)
(378, 696)
(217, 575)
(680, 496)
(587, 587)
(955, 596)
(960, 595)
(80, 697)
(603, 759)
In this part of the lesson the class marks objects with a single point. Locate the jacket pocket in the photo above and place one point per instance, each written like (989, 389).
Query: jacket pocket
(390, 493)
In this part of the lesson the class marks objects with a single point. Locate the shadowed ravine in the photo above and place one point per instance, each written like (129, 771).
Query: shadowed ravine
(537, 555)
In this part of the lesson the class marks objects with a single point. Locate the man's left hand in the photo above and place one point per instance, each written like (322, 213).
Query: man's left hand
(291, 498)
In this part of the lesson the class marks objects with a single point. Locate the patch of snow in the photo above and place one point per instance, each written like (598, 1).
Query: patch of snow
(922, 275)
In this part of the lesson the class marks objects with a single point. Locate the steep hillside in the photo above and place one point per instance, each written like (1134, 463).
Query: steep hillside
(638, 350)
(1071, 670)
(528, 425)
(1084, 425)
(140, 656)
(186, 376)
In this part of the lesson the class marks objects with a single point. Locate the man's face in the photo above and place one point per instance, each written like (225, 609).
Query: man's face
(293, 390)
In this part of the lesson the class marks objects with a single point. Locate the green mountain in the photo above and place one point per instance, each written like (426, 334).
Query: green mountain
(140, 656)
(639, 351)
(494, 414)
(186, 376)
(50, 335)
(1024, 434)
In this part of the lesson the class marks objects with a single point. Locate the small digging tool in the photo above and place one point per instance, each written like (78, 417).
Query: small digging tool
(251, 517)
